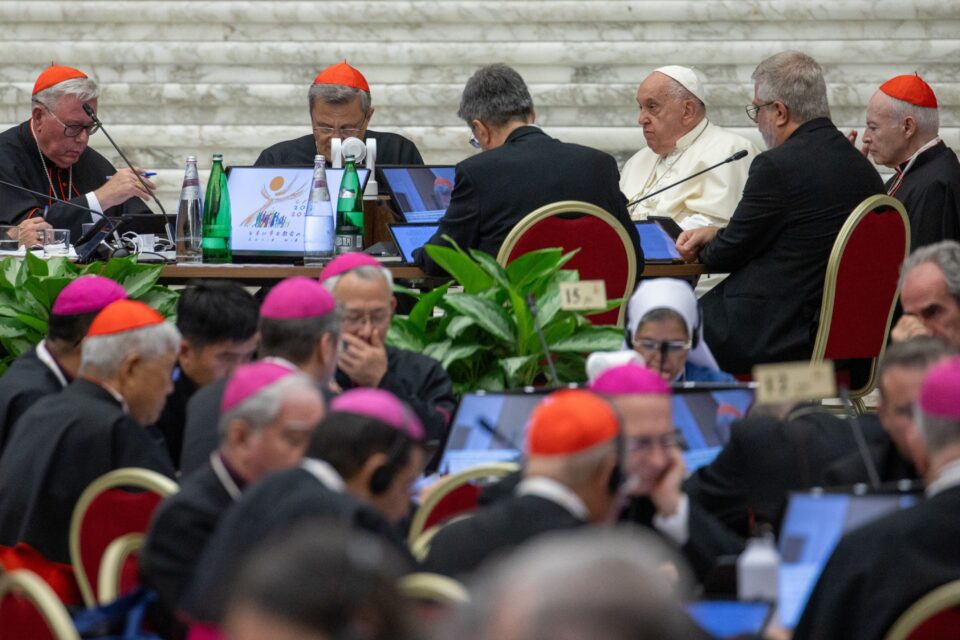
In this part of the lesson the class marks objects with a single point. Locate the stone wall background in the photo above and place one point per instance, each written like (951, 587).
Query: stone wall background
(199, 77)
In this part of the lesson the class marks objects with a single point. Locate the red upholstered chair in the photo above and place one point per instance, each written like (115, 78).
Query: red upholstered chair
(30, 609)
(606, 252)
(119, 574)
(115, 504)
(861, 287)
(57, 575)
(935, 616)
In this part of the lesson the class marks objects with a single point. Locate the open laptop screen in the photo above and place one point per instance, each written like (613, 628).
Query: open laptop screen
(657, 243)
(703, 414)
(421, 193)
(409, 237)
(268, 204)
(812, 527)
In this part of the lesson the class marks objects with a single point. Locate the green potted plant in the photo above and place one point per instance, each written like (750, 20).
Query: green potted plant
(28, 287)
(484, 335)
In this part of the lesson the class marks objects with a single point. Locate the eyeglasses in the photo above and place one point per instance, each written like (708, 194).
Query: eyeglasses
(73, 130)
(670, 346)
(474, 142)
(349, 132)
(754, 109)
(645, 444)
(357, 319)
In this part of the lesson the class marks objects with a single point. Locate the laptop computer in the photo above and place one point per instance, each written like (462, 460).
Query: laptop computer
(730, 618)
(267, 208)
(420, 193)
(658, 238)
(812, 527)
(408, 237)
(703, 413)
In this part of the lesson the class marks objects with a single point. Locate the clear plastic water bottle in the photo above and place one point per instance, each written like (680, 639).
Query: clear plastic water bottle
(190, 217)
(758, 569)
(319, 229)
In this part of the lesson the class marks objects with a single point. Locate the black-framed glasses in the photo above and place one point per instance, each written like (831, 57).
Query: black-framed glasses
(474, 142)
(754, 109)
(670, 346)
(73, 130)
(349, 132)
(645, 444)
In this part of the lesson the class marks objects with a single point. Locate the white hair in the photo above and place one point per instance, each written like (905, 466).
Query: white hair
(927, 118)
(103, 355)
(796, 80)
(264, 406)
(364, 272)
(83, 89)
(338, 94)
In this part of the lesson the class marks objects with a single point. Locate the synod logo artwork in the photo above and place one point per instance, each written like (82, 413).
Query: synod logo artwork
(269, 205)
(269, 215)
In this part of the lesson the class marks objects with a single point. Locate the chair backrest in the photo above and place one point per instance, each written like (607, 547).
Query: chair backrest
(453, 495)
(434, 588)
(862, 283)
(119, 574)
(30, 609)
(933, 617)
(606, 252)
(115, 504)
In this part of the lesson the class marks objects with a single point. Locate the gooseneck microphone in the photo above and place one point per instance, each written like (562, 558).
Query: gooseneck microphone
(860, 440)
(739, 155)
(166, 222)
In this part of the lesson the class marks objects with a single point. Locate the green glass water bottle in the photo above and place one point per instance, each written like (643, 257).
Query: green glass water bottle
(350, 211)
(216, 215)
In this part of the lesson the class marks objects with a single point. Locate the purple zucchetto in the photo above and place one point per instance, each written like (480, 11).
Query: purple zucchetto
(87, 294)
(938, 394)
(249, 380)
(630, 378)
(343, 263)
(380, 405)
(297, 298)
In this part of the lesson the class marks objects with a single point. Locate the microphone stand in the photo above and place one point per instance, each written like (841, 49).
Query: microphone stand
(166, 222)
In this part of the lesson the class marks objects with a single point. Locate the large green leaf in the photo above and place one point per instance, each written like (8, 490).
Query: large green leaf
(491, 267)
(590, 339)
(459, 352)
(512, 368)
(461, 267)
(492, 380)
(403, 334)
(35, 266)
(140, 279)
(163, 300)
(10, 273)
(485, 313)
(458, 325)
(531, 266)
(423, 310)
(36, 324)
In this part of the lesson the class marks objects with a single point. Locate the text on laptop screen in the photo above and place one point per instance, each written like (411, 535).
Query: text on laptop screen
(268, 204)
(811, 529)
(656, 243)
(421, 193)
(410, 237)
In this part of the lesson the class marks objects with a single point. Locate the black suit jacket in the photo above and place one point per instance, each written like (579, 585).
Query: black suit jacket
(930, 192)
(876, 572)
(201, 435)
(463, 546)
(495, 189)
(26, 380)
(776, 247)
(763, 461)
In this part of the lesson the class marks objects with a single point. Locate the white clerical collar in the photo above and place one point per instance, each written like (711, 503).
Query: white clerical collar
(325, 473)
(687, 139)
(44, 356)
(948, 478)
(113, 392)
(550, 489)
(220, 469)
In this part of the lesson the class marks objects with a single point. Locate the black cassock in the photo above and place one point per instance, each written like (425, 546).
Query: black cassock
(60, 445)
(930, 192)
(267, 509)
(391, 149)
(20, 164)
(26, 380)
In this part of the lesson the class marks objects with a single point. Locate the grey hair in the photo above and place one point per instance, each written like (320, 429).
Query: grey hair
(102, 356)
(945, 255)
(576, 470)
(796, 80)
(916, 353)
(938, 433)
(927, 119)
(586, 584)
(296, 340)
(680, 93)
(338, 94)
(263, 407)
(364, 272)
(83, 89)
(495, 94)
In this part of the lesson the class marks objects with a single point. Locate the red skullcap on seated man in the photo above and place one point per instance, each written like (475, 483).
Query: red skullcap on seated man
(570, 421)
(342, 74)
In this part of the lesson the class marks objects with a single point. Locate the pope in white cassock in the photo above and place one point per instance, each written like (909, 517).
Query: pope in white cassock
(680, 142)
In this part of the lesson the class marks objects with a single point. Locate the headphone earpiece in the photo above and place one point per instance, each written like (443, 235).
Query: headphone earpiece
(381, 479)
(616, 474)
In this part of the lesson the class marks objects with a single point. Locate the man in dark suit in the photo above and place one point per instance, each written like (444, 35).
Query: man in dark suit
(521, 169)
(571, 480)
(876, 572)
(776, 246)
(930, 293)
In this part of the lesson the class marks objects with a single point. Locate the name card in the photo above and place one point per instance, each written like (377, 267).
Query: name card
(585, 295)
(794, 381)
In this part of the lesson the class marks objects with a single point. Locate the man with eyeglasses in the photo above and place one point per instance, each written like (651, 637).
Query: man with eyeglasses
(49, 153)
(340, 107)
(520, 170)
(363, 290)
(930, 294)
(778, 241)
(681, 141)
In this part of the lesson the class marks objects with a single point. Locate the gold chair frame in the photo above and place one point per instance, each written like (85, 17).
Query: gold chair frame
(830, 287)
(447, 484)
(575, 206)
(943, 597)
(29, 585)
(144, 479)
(433, 587)
(111, 565)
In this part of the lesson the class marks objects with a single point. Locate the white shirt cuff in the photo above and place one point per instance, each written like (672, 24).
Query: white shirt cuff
(94, 204)
(677, 526)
